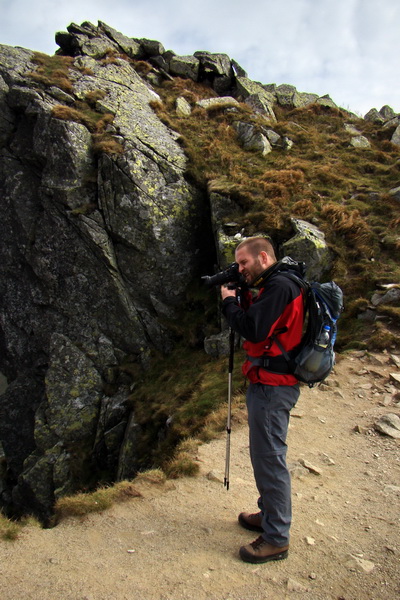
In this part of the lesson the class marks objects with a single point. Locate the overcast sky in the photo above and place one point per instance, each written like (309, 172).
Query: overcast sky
(348, 49)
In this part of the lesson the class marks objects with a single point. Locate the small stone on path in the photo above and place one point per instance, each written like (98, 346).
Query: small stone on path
(310, 541)
(356, 563)
(307, 465)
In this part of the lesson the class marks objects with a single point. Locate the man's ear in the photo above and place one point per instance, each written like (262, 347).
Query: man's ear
(263, 257)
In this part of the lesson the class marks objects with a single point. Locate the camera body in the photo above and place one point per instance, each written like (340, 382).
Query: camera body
(229, 275)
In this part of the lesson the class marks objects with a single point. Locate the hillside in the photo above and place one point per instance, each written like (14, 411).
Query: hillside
(347, 190)
(180, 540)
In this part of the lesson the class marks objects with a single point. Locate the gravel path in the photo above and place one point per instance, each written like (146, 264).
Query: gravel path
(180, 540)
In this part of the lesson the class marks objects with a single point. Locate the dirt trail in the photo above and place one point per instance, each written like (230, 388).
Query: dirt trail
(181, 540)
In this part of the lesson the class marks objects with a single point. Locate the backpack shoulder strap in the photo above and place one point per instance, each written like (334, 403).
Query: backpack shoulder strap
(305, 286)
(302, 283)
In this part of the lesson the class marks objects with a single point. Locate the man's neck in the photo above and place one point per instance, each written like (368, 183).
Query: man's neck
(260, 279)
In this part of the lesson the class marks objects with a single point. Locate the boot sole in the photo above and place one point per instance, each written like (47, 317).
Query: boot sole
(250, 558)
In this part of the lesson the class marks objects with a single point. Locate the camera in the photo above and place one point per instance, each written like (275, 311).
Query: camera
(229, 275)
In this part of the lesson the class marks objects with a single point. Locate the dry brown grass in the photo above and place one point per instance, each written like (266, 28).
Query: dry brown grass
(221, 185)
(80, 505)
(52, 71)
(61, 82)
(383, 337)
(184, 462)
(84, 114)
(290, 178)
(305, 209)
(94, 95)
(103, 143)
(189, 89)
(142, 67)
(67, 113)
(329, 175)
(96, 122)
(216, 421)
(9, 530)
(152, 477)
(111, 57)
(351, 225)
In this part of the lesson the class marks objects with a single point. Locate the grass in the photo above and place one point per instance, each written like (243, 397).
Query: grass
(151, 477)
(101, 499)
(107, 144)
(52, 71)
(174, 400)
(103, 142)
(11, 529)
(383, 338)
(83, 113)
(81, 505)
(216, 421)
(183, 463)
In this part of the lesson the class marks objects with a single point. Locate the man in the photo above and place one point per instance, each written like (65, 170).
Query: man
(276, 310)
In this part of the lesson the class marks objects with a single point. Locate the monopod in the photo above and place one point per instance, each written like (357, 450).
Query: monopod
(230, 374)
(228, 420)
(234, 279)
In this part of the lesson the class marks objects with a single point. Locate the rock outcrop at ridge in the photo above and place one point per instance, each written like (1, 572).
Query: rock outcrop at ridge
(101, 234)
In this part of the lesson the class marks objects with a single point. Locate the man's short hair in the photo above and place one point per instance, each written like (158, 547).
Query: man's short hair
(256, 245)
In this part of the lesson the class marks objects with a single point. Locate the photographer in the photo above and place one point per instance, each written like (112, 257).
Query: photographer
(272, 391)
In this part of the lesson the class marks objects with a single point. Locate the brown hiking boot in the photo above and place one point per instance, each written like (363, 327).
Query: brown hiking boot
(261, 551)
(251, 521)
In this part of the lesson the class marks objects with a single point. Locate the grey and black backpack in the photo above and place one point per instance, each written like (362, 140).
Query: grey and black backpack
(313, 359)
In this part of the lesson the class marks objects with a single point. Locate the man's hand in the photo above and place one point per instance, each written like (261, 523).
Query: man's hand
(226, 292)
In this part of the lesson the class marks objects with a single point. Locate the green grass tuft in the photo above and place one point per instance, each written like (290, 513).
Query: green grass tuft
(9, 530)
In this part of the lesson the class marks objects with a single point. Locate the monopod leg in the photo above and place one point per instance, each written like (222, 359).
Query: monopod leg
(228, 420)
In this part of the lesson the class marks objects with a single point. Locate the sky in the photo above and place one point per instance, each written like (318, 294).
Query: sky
(348, 49)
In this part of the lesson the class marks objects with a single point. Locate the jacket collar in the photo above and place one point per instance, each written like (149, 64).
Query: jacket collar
(286, 264)
(262, 278)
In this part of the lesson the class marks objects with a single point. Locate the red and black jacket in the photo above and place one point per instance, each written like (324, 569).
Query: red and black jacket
(277, 310)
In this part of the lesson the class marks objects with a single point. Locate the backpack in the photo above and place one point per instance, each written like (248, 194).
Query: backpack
(313, 359)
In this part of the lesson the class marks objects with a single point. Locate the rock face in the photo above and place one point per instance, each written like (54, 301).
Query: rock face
(101, 233)
(96, 247)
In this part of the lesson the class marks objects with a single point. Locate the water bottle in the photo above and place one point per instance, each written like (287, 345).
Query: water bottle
(314, 360)
(323, 339)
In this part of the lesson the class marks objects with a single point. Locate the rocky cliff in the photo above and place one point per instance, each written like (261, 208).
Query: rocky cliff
(101, 232)
(96, 247)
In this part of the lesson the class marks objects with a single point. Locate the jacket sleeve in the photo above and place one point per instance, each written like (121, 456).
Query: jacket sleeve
(255, 323)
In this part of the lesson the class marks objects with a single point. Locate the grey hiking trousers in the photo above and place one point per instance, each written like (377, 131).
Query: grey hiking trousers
(268, 416)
